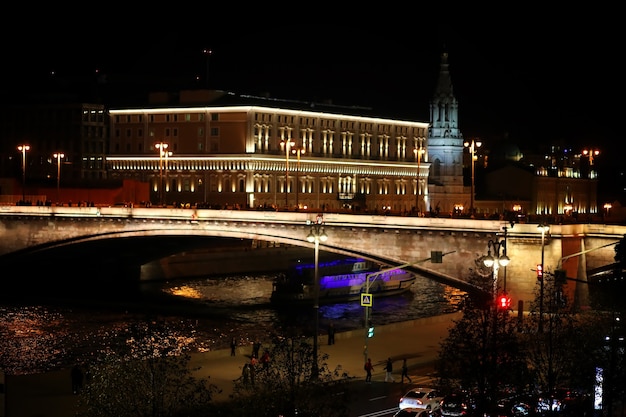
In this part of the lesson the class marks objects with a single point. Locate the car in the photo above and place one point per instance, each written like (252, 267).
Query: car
(421, 398)
(412, 412)
(457, 404)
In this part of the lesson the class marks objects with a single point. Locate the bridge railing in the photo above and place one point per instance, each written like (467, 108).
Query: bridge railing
(355, 221)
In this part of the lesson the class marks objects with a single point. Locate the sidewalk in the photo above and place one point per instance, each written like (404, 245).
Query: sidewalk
(50, 395)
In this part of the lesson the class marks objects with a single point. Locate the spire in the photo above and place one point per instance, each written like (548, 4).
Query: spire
(444, 82)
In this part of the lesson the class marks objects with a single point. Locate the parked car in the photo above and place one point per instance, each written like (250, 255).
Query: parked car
(421, 398)
(457, 404)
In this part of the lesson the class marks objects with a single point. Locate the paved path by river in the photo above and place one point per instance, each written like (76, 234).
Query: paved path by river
(50, 394)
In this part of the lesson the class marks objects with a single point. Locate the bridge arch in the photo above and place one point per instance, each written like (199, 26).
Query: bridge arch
(145, 234)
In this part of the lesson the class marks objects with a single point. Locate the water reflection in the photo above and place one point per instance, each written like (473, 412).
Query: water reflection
(207, 312)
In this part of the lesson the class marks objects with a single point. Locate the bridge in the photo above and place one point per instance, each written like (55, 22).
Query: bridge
(107, 248)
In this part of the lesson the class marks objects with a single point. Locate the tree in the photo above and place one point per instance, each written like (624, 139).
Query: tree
(286, 387)
(551, 352)
(147, 376)
(481, 352)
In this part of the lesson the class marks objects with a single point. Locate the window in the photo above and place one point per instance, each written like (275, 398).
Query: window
(215, 131)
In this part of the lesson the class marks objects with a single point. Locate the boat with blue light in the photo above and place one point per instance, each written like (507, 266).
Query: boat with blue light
(341, 280)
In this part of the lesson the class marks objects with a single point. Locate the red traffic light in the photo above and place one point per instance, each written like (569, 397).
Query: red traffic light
(504, 302)
(539, 272)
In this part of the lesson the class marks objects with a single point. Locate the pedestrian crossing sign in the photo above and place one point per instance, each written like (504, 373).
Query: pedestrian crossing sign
(366, 300)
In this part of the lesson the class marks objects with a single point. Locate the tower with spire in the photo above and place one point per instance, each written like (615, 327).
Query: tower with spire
(445, 147)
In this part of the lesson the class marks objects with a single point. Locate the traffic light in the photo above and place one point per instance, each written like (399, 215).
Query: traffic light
(370, 331)
(539, 272)
(560, 277)
(504, 302)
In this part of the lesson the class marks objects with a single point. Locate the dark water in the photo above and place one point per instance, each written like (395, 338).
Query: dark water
(204, 312)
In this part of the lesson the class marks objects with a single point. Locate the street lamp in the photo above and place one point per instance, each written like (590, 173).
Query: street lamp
(166, 187)
(287, 144)
(543, 228)
(497, 260)
(591, 154)
(419, 151)
(58, 157)
(472, 146)
(23, 149)
(162, 147)
(298, 151)
(316, 235)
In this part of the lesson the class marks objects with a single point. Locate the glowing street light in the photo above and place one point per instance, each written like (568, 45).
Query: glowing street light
(298, 151)
(166, 155)
(591, 154)
(58, 157)
(497, 260)
(419, 151)
(472, 146)
(316, 235)
(287, 143)
(162, 147)
(23, 149)
(544, 228)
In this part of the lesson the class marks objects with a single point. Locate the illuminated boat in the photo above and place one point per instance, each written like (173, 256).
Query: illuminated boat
(340, 280)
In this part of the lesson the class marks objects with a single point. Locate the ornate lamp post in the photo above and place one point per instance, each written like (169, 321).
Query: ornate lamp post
(544, 228)
(497, 260)
(472, 146)
(58, 157)
(298, 151)
(23, 149)
(419, 151)
(287, 144)
(162, 147)
(316, 235)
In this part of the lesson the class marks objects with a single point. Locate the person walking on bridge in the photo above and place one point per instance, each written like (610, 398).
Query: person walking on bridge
(368, 369)
(405, 372)
(388, 371)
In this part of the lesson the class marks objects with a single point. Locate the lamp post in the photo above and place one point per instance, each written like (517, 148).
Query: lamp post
(23, 149)
(543, 228)
(166, 185)
(162, 147)
(497, 260)
(505, 229)
(472, 146)
(591, 154)
(287, 144)
(419, 151)
(298, 151)
(58, 157)
(316, 235)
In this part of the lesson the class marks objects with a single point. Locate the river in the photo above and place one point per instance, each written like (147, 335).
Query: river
(205, 311)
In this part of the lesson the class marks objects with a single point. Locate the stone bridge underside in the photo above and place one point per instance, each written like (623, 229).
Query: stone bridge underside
(104, 251)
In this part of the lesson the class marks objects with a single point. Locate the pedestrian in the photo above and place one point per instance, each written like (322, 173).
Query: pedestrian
(252, 366)
(245, 373)
(265, 359)
(331, 333)
(256, 347)
(405, 372)
(368, 369)
(388, 370)
(233, 346)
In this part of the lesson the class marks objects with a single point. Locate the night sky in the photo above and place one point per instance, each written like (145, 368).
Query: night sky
(527, 75)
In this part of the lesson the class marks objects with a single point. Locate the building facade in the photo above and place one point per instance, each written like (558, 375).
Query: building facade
(271, 157)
